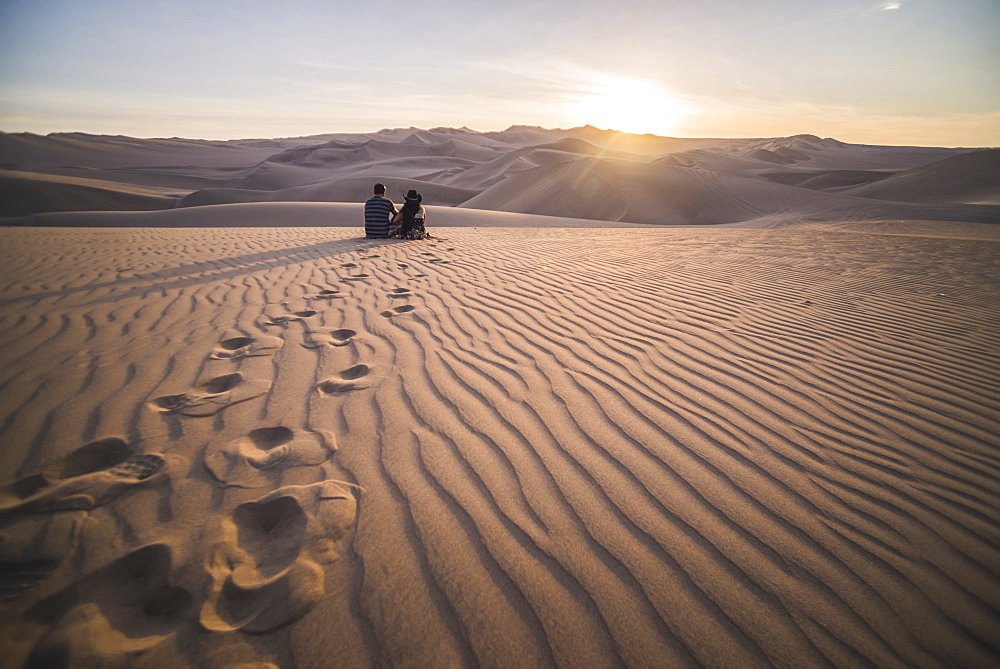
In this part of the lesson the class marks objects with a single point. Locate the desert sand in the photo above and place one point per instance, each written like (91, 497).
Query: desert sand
(580, 173)
(737, 404)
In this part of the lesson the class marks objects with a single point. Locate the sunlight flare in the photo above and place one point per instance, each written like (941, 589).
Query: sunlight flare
(630, 105)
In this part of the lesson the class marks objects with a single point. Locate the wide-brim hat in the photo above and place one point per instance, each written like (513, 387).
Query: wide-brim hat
(413, 196)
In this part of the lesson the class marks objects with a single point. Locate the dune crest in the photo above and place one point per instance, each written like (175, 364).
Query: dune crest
(576, 173)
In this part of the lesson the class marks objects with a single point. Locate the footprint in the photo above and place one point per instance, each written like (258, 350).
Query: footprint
(267, 567)
(139, 467)
(112, 616)
(33, 546)
(18, 576)
(237, 652)
(402, 265)
(88, 477)
(400, 292)
(319, 338)
(247, 461)
(327, 294)
(288, 318)
(92, 457)
(271, 532)
(356, 277)
(348, 265)
(212, 396)
(349, 379)
(396, 311)
(439, 260)
(246, 347)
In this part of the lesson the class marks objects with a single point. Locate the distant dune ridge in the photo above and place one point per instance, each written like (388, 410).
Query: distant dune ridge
(27, 193)
(576, 173)
(640, 401)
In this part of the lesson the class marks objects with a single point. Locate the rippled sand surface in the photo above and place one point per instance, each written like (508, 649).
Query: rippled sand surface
(506, 447)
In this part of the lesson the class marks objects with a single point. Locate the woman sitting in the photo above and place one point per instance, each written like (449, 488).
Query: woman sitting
(412, 217)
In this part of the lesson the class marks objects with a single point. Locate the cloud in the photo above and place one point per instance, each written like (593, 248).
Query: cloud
(892, 5)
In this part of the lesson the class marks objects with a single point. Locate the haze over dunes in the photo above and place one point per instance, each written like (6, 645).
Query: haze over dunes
(579, 173)
(640, 401)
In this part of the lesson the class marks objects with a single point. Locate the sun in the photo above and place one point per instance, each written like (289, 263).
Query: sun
(630, 105)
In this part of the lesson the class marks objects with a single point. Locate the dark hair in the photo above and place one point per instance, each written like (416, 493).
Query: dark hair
(410, 207)
(379, 189)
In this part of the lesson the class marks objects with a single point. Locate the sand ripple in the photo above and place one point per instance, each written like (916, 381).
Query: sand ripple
(515, 446)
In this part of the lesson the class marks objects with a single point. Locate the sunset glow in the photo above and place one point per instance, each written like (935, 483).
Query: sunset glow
(630, 105)
(718, 68)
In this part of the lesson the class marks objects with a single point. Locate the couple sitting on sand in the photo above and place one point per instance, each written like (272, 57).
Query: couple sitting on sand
(407, 223)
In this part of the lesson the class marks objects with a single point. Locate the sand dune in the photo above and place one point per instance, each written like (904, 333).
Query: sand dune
(662, 194)
(651, 146)
(582, 187)
(511, 447)
(970, 177)
(356, 189)
(827, 179)
(640, 401)
(585, 148)
(295, 214)
(337, 153)
(577, 173)
(103, 151)
(26, 193)
(809, 155)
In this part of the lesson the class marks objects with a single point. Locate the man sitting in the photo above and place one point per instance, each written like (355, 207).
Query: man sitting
(378, 210)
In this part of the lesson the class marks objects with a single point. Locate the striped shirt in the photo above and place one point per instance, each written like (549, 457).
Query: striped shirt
(377, 212)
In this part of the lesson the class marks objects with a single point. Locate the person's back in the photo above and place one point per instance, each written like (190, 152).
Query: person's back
(413, 217)
(378, 210)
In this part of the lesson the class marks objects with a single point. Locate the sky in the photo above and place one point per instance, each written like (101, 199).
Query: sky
(922, 72)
